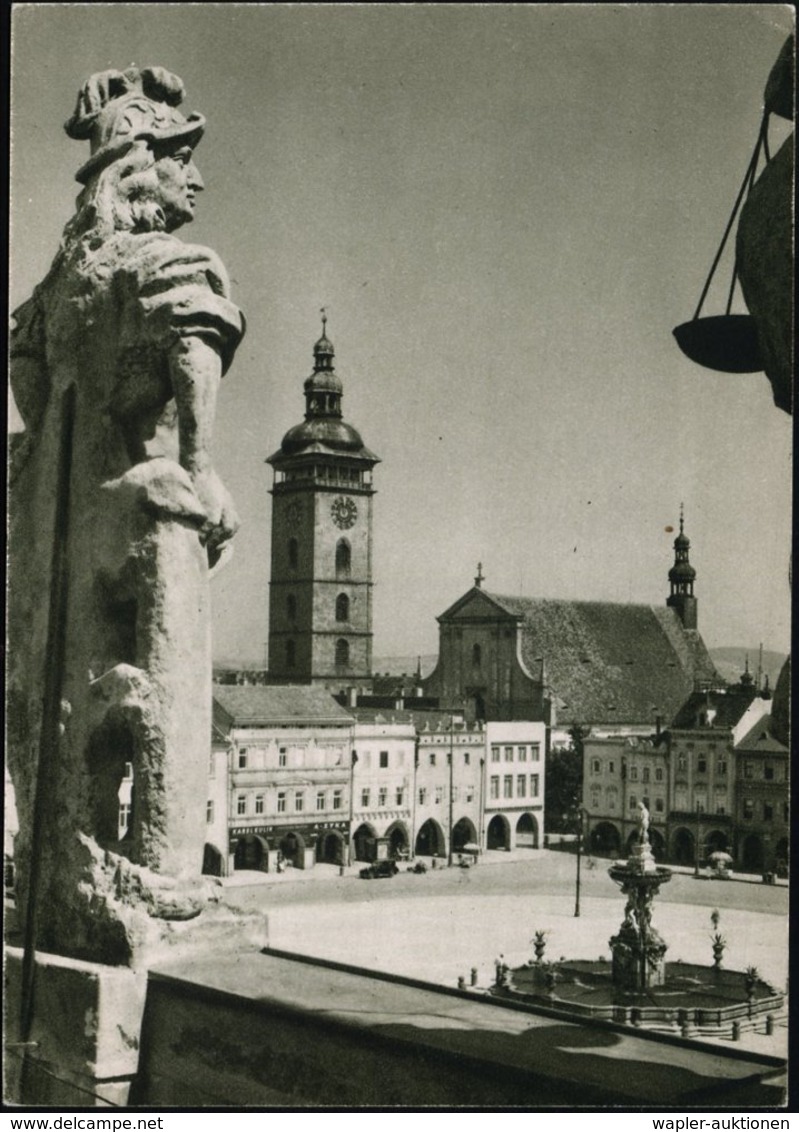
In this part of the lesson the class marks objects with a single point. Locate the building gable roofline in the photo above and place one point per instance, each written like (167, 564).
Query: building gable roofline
(492, 606)
(286, 705)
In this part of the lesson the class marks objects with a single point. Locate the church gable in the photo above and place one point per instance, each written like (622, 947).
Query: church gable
(477, 605)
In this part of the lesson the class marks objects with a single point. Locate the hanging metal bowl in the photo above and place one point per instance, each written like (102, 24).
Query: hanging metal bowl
(725, 342)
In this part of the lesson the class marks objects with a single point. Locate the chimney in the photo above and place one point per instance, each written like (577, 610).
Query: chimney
(352, 697)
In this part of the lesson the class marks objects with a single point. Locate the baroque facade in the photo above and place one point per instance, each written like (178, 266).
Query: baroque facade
(715, 782)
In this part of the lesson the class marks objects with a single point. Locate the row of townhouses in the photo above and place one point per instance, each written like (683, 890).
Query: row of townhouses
(715, 782)
(296, 778)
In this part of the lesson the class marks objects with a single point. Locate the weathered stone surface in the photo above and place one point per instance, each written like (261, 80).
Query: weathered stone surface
(134, 329)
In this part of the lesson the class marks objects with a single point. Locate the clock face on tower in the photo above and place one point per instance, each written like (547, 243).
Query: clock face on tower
(344, 512)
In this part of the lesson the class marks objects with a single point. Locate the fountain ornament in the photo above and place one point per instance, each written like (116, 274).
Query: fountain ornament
(637, 948)
(641, 989)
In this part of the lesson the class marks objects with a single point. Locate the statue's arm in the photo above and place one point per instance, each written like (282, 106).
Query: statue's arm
(196, 370)
(30, 380)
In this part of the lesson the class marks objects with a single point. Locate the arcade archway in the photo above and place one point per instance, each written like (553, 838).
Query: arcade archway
(717, 842)
(463, 833)
(526, 832)
(605, 840)
(362, 841)
(498, 834)
(212, 861)
(292, 846)
(398, 840)
(752, 855)
(330, 849)
(250, 853)
(683, 847)
(430, 840)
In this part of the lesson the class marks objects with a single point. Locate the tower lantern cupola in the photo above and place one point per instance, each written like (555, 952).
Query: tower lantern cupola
(323, 390)
(681, 580)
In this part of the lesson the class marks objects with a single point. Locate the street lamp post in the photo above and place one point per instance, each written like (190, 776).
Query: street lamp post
(698, 829)
(451, 761)
(353, 761)
(580, 813)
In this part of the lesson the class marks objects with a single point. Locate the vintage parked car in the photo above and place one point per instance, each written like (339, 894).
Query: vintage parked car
(379, 869)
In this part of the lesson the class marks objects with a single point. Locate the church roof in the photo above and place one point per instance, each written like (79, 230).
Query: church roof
(605, 662)
(258, 705)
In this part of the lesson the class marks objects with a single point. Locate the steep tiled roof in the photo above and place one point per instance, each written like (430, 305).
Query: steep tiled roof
(760, 740)
(729, 705)
(287, 704)
(609, 662)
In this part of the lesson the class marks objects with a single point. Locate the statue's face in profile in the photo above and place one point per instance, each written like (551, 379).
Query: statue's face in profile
(179, 181)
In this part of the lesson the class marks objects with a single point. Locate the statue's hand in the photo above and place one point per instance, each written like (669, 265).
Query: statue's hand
(221, 522)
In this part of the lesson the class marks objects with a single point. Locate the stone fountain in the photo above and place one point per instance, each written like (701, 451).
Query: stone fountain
(638, 949)
(638, 987)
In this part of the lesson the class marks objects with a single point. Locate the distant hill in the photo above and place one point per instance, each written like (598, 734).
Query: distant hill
(731, 661)
(404, 665)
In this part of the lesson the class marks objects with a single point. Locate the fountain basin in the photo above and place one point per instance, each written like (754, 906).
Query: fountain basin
(691, 997)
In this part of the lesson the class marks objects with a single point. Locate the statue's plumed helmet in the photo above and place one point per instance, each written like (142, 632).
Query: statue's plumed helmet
(117, 108)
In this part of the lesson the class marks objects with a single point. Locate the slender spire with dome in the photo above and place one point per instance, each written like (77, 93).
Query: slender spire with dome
(320, 590)
(681, 579)
(323, 390)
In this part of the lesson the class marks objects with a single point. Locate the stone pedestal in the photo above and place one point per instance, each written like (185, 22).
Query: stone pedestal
(84, 1043)
(637, 948)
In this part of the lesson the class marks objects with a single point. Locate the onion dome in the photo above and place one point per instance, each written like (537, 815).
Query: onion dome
(682, 573)
(332, 433)
(323, 424)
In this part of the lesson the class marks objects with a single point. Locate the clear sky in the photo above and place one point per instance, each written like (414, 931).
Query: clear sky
(505, 210)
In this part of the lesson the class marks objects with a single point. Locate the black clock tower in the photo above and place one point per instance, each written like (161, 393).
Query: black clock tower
(320, 596)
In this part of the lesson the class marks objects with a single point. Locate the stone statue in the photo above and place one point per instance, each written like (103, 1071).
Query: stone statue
(117, 516)
(643, 824)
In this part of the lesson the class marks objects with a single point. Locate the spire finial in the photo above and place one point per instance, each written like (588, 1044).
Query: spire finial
(682, 508)
(323, 313)
(480, 578)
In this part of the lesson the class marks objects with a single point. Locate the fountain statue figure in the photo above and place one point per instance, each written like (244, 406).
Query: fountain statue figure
(637, 948)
